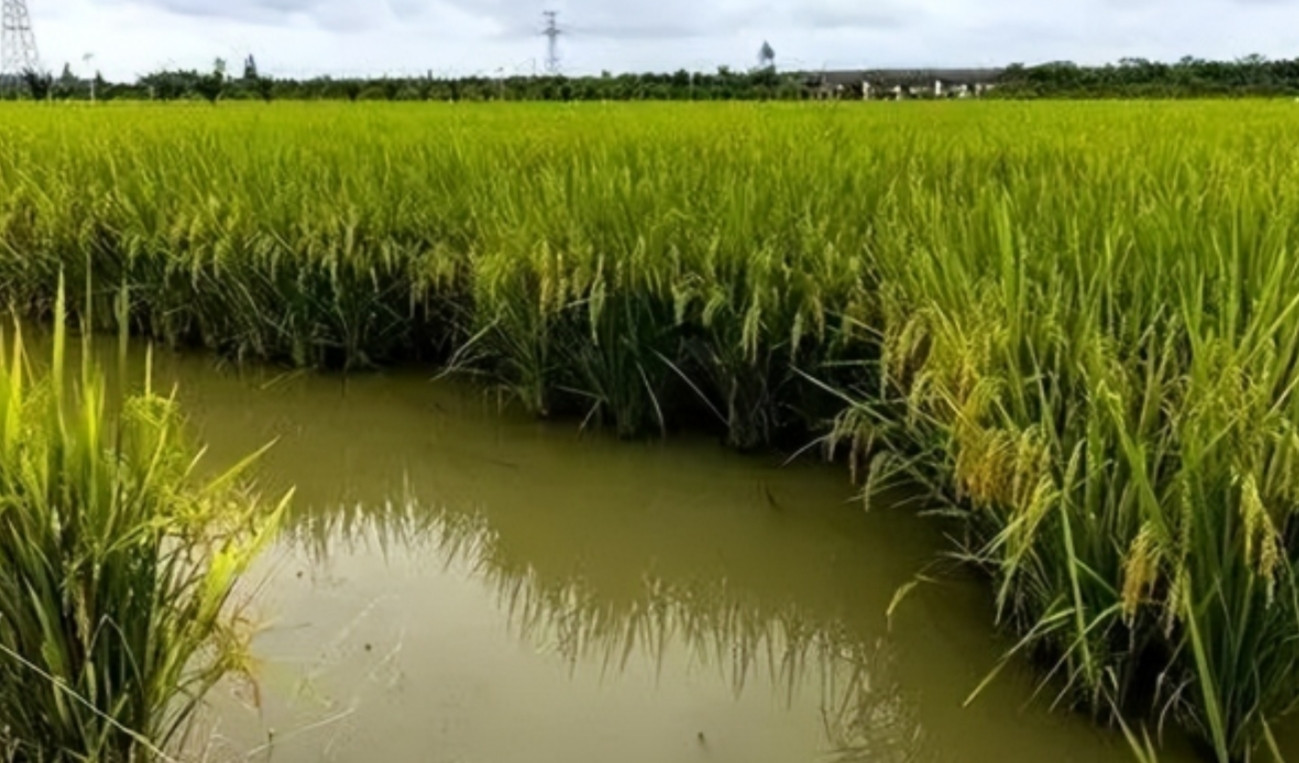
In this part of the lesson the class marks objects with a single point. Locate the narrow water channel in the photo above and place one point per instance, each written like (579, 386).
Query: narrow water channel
(459, 582)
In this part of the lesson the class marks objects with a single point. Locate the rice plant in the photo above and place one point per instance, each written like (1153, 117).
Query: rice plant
(118, 566)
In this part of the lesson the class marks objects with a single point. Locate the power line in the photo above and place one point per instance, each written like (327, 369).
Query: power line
(17, 42)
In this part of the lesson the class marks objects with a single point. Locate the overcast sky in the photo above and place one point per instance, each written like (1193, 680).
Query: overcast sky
(341, 37)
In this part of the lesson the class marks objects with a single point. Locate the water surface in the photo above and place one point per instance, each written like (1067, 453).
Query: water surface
(459, 582)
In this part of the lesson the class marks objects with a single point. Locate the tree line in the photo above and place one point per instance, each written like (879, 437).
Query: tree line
(1129, 78)
(1141, 78)
(220, 84)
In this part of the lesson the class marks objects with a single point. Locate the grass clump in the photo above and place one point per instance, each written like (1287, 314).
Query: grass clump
(118, 567)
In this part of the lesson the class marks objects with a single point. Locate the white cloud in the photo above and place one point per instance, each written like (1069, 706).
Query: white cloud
(341, 37)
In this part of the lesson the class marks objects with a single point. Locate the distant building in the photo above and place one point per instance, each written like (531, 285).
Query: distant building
(899, 83)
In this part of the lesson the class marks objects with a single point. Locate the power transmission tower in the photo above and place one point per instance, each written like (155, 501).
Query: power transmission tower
(17, 42)
(552, 33)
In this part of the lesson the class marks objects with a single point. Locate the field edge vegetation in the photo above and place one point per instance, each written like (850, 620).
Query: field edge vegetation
(119, 564)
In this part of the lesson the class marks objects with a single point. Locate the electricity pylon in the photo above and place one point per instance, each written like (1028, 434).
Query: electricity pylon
(17, 42)
(552, 33)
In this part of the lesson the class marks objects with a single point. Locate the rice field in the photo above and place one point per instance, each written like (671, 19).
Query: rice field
(1073, 325)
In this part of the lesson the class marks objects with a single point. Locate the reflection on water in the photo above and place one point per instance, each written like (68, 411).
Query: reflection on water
(460, 583)
(864, 716)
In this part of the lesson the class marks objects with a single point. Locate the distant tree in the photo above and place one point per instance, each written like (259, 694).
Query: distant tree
(210, 86)
(39, 84)
(425, 87)
(766, 56)
(168, 85)
(408, 92)
(765, 78)
(265, 88)
(67, 84)
(250, 69)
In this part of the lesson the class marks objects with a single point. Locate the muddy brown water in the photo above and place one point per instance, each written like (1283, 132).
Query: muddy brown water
(459, 582)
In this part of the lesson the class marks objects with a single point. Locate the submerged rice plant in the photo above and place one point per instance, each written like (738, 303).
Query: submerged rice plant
(118, 566)
(1074, 324)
